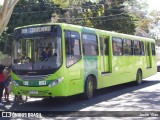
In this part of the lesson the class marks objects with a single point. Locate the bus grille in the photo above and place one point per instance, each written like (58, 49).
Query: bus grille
(33, 77)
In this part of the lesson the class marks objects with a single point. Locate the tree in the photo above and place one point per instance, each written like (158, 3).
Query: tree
(80, 12)
(5, 15)
(71, 11)
(27, 12)
(138, 9)
(102, 14)
(115, 17)
(154, 29)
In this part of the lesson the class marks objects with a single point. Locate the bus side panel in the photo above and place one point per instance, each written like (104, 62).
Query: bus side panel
(90, 66)
(74, 79)
(150, 71)
(129, 72)
(115, 77)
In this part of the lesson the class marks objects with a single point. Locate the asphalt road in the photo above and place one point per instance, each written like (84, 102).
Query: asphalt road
(126, 97)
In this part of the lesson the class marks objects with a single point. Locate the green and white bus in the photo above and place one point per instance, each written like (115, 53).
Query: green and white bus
(82, 60)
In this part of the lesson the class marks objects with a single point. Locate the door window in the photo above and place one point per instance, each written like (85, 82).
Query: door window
(72, 44)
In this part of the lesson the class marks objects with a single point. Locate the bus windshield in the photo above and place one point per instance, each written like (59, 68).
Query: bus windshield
(37, 53)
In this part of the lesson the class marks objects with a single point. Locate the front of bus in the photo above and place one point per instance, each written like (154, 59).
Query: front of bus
(37, 61)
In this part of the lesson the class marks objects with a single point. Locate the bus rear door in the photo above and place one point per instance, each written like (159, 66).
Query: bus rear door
(104, 60)
(148, 55)
(104, 48)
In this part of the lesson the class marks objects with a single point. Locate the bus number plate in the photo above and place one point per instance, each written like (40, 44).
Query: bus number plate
(33, 92)
(42, 82)
(25, 83)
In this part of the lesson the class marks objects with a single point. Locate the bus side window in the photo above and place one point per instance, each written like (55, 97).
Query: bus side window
(72, 43)
(153, 49)
(117, 46)
(90, 44)
(142, 48)
(137, 48)
(127, 47)
(147, 49)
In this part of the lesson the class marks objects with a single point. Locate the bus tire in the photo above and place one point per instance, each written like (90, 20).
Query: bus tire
(20, 98)
(89, 88)
(139, 77)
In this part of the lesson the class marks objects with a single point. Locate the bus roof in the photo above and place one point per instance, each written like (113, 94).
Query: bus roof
(100, 32)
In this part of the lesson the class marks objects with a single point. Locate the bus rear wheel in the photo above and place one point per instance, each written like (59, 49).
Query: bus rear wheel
(89, 88)
(139, 77)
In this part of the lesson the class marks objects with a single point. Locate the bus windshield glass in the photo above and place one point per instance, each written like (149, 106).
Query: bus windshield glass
(37, 53)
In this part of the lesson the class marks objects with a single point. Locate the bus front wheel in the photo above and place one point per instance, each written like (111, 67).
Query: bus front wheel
(139, 77)
(89, 88)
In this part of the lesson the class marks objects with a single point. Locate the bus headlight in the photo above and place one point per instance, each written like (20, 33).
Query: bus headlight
(55, 82)
(15, 83)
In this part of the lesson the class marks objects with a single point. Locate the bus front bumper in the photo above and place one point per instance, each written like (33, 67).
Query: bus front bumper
(55, 91)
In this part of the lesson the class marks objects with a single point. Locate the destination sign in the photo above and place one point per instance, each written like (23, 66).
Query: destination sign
(35, 30)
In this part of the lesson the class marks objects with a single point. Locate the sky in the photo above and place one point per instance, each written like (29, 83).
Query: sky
(1, 2)
(153, 4)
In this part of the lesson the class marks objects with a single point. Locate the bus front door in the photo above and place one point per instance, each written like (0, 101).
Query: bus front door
(148, 56)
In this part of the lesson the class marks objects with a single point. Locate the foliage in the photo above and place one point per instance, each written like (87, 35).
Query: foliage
(31, 12)
(62, 3)
(5, 43)
(116, 18)
(138, 9)
(27, 12)
(154, 29)
(0, 7)
(111, 16)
